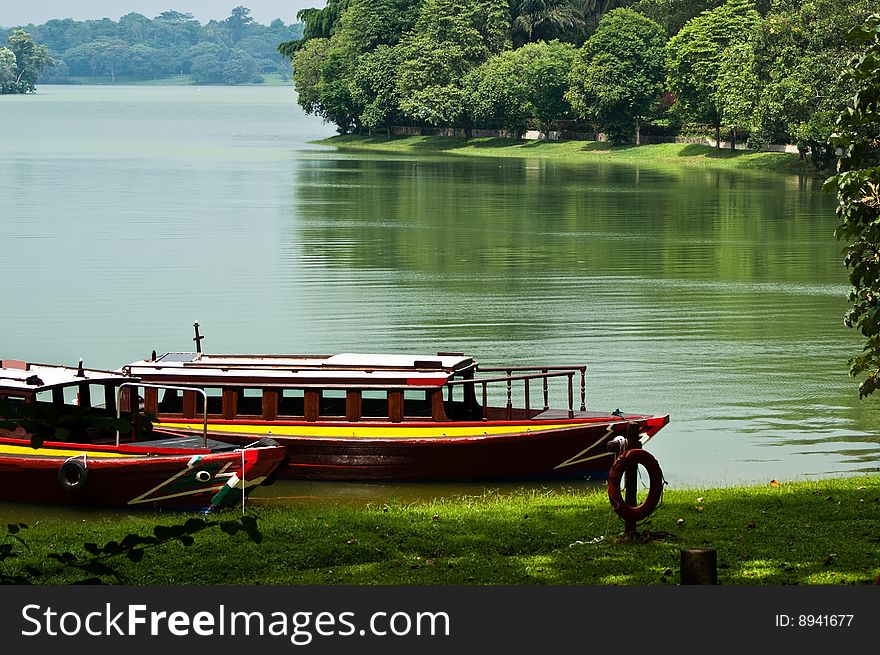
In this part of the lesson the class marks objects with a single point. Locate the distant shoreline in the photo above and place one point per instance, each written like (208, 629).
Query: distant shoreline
(269, 79)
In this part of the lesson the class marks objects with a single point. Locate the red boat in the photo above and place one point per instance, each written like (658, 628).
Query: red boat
(390, 417)
(57, 447)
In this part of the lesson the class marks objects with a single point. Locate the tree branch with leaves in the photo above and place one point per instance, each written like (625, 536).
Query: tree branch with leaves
(857, 184)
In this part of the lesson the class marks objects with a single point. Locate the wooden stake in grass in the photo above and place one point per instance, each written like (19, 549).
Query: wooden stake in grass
(699, 566)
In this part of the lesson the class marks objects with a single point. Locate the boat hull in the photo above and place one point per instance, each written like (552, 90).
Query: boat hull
(467, 451)
(125, 478)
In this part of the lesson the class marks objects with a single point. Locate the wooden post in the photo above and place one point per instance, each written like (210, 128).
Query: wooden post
(395, 406)
(270, 404)
(631, 475)
(353, 405)
(699, 566)
(151, 400)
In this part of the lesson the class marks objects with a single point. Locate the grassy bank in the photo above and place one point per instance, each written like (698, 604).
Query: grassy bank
(825, 532)
(664, 154)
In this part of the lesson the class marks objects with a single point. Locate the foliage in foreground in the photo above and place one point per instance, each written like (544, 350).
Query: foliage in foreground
(857, 184)
(795, 533)
(95, 563)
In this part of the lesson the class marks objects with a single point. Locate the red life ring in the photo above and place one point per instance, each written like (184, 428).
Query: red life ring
(629, 458)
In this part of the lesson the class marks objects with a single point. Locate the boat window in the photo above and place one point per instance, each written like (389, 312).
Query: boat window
(374, 403)
(215, 401)
(332, 403)
(96, 396)
(73, 395)
(250, 402)
(170, 401)
(291, 403)
(416, 404)
(11, 406)
(68, 393)
(459, 404)
(45, 397)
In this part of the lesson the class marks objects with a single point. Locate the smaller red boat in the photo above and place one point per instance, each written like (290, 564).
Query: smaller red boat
(67, 437)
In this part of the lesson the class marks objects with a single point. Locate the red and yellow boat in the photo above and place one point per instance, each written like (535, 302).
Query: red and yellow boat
(391, 417)
(67, 437)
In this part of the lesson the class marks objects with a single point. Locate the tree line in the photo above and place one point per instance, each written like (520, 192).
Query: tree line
(766, 71)
(235, 50)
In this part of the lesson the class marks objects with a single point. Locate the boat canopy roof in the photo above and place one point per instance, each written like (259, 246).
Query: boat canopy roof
(353, 368)
(16, 375)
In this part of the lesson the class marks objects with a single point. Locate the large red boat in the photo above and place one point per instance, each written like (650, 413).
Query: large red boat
(391, 417)
(67, 437)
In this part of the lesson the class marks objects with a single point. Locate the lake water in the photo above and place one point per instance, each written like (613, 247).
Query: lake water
(127, 213)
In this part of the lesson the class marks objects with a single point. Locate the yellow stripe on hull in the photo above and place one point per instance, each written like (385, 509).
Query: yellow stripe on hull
(9, 449)
(370, 432)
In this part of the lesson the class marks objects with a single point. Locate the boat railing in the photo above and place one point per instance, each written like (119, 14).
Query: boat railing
(137, 385)
(525, 375)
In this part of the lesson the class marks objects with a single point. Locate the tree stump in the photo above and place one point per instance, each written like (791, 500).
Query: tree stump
(699, 566)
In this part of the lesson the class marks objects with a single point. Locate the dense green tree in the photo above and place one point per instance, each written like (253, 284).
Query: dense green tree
(521, 88)
(110, 56)
(857, 184)
(207, 69)
(307, 66)
(374, 87)
(737, 89)
(673, 14)
(618, 75)
(321, 73)
(31, 60)
(694, 57)
(341, 84)
(800, 50)
(135, 28)
(238, 21)
(317, 24)
(240, 68)
(7, 70)
(450, 38)
(544, 20)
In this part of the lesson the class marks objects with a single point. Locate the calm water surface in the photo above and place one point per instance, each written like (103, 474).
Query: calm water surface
(129, 212)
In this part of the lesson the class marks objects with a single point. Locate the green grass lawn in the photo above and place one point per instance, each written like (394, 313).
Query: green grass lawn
(812, 533)
(664, 154)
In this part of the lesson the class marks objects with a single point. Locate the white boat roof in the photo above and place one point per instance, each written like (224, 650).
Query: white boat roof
(356, 368)
(18, 375)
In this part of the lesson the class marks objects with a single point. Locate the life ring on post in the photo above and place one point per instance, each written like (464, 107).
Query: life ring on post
(73, 475)
(634, 457)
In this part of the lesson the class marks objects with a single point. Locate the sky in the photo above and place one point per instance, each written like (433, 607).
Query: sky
(14, 13)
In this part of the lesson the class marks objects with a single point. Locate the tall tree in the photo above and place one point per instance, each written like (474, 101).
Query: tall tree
(737, 89)
(618, 75)
(317, 24)
(31, 59)
(694, 57)
(673, 14)
(238, 21)
(857, 184)
(520, 88)
(450, 38)
(800, 50)
(374, 87)
(543, 20)
(7, 71)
